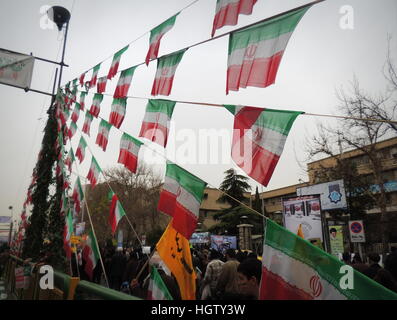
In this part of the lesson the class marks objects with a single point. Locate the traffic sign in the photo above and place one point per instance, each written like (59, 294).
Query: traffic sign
(356, 229)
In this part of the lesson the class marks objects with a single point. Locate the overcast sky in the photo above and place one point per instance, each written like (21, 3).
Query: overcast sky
(321, 57)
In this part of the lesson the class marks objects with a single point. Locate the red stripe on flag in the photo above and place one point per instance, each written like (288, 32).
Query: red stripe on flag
(95, 111)
(167, 202)
(89, 266)
(113, 71)
(155, 132)
(162, 86)
(153, 51)
(128, 159)
(116, 119)
(121, 91)
(101, 141)
(184, 221)
(91, 177)
(101, 87)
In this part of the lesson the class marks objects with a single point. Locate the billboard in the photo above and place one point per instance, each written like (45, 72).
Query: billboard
(222, 243)
(200, 238)
(303, 213)
(336, 239)
(332, 194)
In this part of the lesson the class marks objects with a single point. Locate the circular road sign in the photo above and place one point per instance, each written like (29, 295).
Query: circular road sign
(356, 227)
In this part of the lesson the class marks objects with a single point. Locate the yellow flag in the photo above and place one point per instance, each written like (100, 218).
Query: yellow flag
(300, 232)
(174, 250)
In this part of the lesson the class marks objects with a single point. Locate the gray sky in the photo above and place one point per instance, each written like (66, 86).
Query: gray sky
(321, 57)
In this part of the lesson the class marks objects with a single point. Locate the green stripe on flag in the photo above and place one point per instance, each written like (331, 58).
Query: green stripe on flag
(165, 25)
(120, 52)
(126, 136)
(161, 105)
(277, 120)
(170, 60)
(104, 123)
(94, 246)
(231, 108)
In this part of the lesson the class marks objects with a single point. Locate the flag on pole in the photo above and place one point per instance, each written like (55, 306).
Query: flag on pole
(76, 112)
(259, 137)
(80, 152)
(157, 289)
(255, 52)
(117, 113)
(93, 173)
(166, 68)
(77, 195)
(227, 11)
(156, 123)
(115, 63)
(155, 37)
(174, 249)
(94, 75)
(96, 104)
(72, 129)
(81, 79)
(181, 198)
(129, 150)
(69, 159)
(87, 123)
(67, 233)
(83, 94)
(116, 213)
(294, 269)
(91, 254)
(101, 85)
(103, 134)
(124, 83)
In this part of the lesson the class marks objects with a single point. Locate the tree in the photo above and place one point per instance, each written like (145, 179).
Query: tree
(234, 185)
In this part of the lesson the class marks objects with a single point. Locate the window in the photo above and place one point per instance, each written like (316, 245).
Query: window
(205, 196)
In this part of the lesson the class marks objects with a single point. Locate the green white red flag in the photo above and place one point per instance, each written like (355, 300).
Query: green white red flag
(129, 150)
(87, 123)
(116, 213)
(157, 289)
(166, 68)
(101, 85)
(76, 112)
(103, 134)
(156, 123)
(93, 173)
(255, 52)
(294, 269)
(181, 198)
(96, 104)
(155, 37)
(94, 75)
(227, 11)
(72, 130)
(259, 137)
(90, 254)
(115, 63)
(83, 94)
(81, 79)
(117, 112)
(124, 83)
(67, 233)
(77, 195)
(80, 152)
(70, 159)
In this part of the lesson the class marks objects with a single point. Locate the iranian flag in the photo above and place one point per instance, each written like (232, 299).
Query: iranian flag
(227, 11)
(103, 134)
(87, 123)
(255, 52)
(259, 137)
(77, 195)
(76, 112)
(117, 112)
(80, 152)
(124, 83)
(81, 79)
(181, 198)
(67, 233)
(156, 123)
(166, 68)
(72, 130)
(157, 289)
(96, 104)
(83, 94)
(115, 63)
(101, 85)
(294, 269)
(91, 254)
(155, 37)
(116, 213)
(129, 150)
(94, 75)
(93, 173)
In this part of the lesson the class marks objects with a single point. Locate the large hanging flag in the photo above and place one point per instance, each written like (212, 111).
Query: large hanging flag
(87, 123)
(76, 112)
(129, 150)
(116, 213)
(101, 85)
(83, 94)
(255, 52)
(181, 198)
(67, 234)
(90, 254)
(155, 37)
(94, 75)
(157, 289)
(259, 137)
(93, 173)
(124, 83)
(117, 112)
(115, 63)
(103, 134)
(174, 249)
(72, 129)
(70, 159)
(96, 104)
(227, 11)
(81, 79)
(294, 269)
(156, 123)
(80, 152)
(166, 68)
(77, 195)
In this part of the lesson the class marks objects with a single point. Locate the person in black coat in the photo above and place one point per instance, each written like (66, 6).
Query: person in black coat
(374, 267)
(117, 266)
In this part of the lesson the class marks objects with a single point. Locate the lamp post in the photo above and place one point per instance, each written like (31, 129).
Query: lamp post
(11, 224)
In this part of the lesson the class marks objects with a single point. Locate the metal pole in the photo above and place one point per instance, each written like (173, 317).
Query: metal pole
(63, 54)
